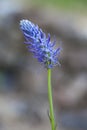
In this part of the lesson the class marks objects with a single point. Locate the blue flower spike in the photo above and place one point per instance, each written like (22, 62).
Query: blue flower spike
(40, 44)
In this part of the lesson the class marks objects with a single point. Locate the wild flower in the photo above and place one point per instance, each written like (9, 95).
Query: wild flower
(39, 44)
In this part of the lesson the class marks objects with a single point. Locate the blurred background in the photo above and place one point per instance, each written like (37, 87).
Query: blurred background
(23, 81)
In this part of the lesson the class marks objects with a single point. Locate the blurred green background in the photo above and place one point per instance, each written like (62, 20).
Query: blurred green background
(64, 4)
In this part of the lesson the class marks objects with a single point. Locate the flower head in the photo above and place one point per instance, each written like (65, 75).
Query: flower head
(40, 45)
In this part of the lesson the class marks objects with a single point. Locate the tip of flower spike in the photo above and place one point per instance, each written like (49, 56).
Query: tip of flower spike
(25, 24)
(24, 21)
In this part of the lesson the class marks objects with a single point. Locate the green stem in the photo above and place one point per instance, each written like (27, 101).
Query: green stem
(51, 116)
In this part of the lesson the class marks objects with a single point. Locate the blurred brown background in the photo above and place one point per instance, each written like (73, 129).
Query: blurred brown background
(23, 81)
